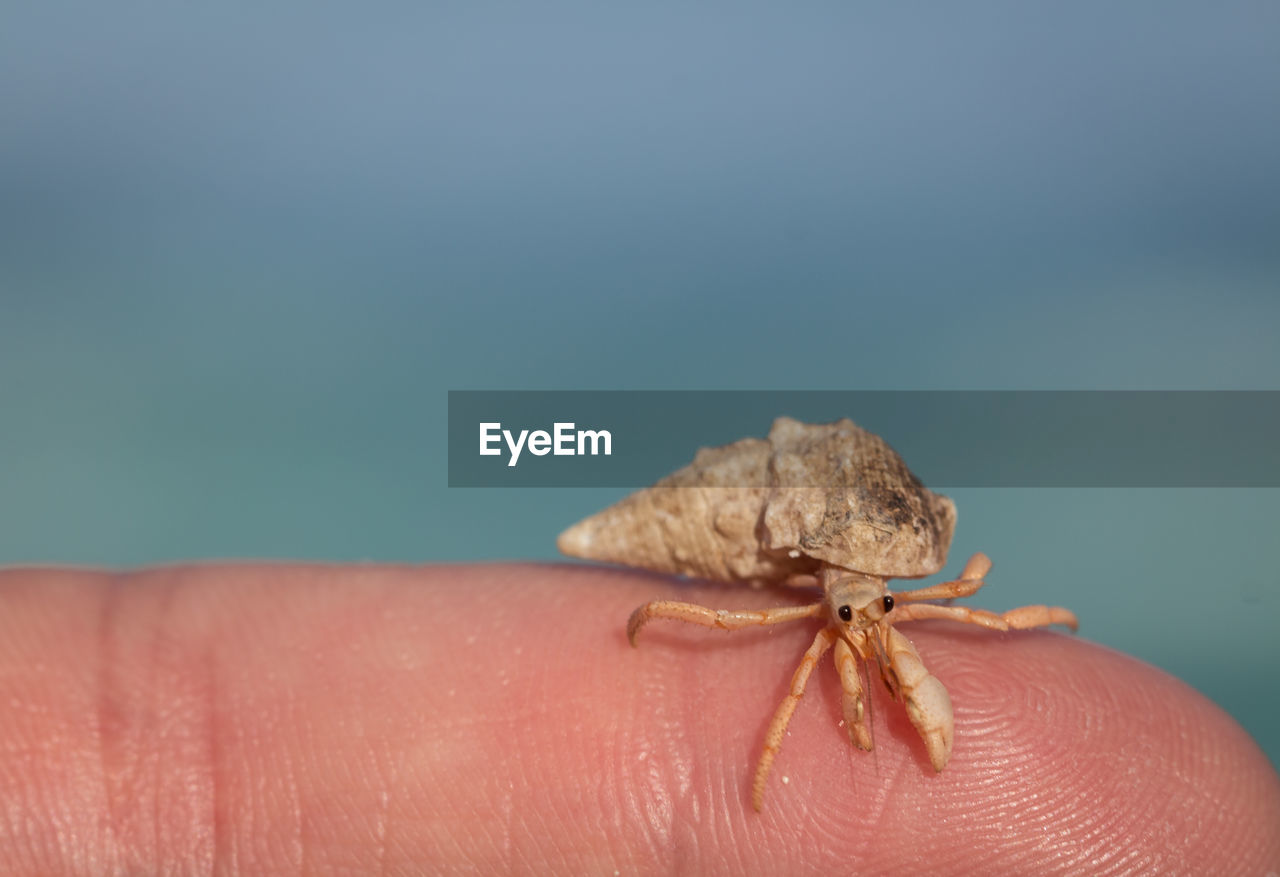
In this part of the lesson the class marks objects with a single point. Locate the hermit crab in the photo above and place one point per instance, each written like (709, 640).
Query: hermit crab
(819, 505)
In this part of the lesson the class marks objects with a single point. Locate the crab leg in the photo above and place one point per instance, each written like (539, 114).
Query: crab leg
(851, 682)
(971, 579)
(928, 704)
(724, 619)
(1015, 619)
(778, 726)
(917, 611)
(1040, 616)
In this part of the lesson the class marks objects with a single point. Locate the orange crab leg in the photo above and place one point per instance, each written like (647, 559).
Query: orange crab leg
(778, 727)
(971, 579)
(1022, 618)
(851, 700)
(724, 619)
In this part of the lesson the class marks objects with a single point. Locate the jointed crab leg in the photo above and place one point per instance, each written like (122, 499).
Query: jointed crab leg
(1015, 619)
(971, 579)
(1026, 617)
(851, 682)
(917, 611)
(928, 704)
(778, 727)
(725, 619)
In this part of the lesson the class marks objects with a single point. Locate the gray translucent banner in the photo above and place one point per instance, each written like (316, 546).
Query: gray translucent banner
(948, 438)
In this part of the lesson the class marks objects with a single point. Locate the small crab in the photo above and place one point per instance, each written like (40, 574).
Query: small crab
(825, 505)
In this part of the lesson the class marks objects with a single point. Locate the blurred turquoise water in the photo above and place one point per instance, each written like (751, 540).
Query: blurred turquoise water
(244, 257)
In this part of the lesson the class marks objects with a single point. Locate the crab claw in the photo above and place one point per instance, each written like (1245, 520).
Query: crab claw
(928, 704)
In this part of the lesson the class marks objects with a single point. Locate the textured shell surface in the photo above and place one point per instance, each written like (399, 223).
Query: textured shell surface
(765, 509)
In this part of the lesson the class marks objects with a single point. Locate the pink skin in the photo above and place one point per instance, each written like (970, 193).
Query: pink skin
(287, 719)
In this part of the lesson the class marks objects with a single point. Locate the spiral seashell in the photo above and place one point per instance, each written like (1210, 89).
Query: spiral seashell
(765, 510)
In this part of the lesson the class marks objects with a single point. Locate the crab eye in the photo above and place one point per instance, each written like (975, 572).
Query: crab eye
(845, 613)
(888, 603)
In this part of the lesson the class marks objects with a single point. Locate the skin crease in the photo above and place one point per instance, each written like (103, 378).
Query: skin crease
(261, 719)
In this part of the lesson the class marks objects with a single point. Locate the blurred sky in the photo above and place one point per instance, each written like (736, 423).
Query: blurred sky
(245, 250)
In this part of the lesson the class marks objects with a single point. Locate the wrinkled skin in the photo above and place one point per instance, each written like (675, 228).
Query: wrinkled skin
(281, 720)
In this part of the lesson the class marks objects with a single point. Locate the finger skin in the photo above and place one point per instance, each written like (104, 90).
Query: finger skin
(257, 719)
